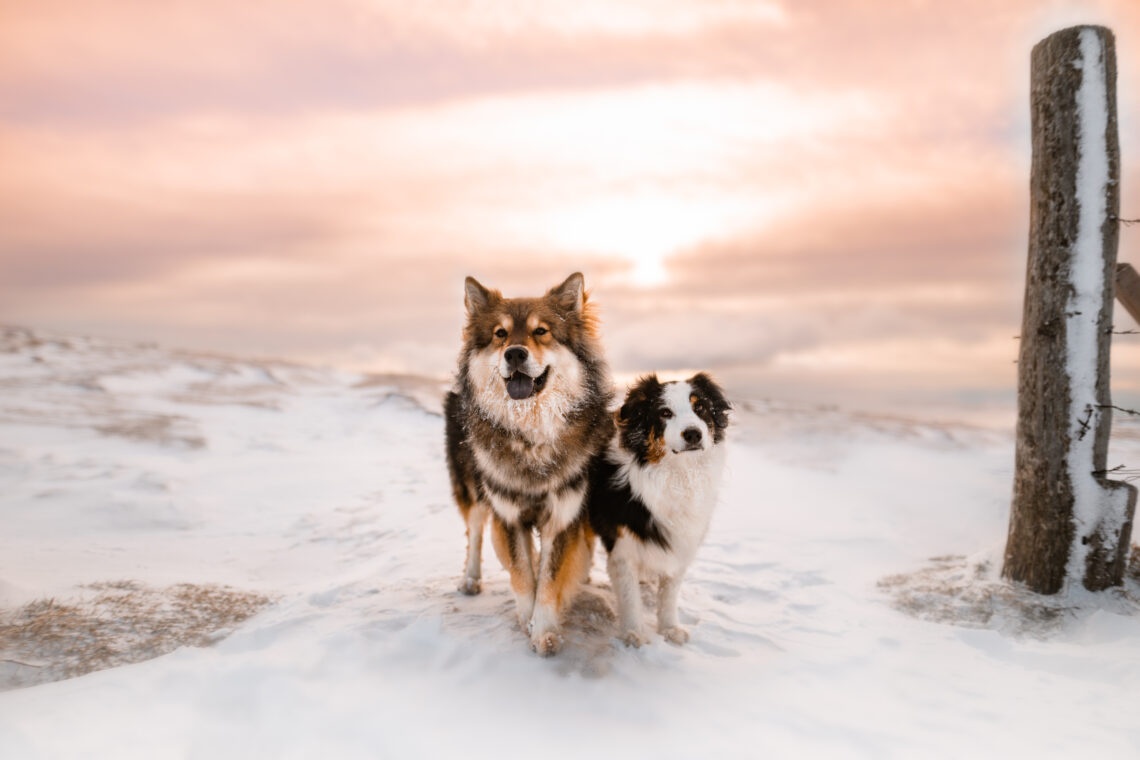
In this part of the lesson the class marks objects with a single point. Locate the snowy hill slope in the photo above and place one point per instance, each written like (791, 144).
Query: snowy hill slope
(325, 492)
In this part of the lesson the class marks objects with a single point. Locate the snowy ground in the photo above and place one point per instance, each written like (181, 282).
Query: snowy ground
(326, 494)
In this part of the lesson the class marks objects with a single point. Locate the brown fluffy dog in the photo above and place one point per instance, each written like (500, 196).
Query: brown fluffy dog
(527, 414)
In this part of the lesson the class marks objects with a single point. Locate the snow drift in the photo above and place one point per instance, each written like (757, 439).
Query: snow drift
(325, 494)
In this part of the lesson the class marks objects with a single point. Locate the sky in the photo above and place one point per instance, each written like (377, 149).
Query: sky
(819, 201)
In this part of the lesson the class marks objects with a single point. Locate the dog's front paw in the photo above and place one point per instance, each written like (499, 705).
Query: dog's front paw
(547, 643)
(675, 635)
(634, 638)
(470, 586)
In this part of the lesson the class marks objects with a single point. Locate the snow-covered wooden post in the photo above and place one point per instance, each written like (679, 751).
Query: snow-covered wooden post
(1068, 522)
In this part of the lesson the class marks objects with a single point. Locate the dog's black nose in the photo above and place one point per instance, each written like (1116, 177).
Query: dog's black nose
(515, 355)
(691, 435)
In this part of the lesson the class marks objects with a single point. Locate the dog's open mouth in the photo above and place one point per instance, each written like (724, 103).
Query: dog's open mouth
(522, 386)
(690, 447)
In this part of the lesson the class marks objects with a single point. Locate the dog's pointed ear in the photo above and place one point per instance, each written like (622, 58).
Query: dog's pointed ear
(475, 296)
(571, 294)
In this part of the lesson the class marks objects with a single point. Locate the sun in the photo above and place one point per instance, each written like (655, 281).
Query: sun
(643, 231)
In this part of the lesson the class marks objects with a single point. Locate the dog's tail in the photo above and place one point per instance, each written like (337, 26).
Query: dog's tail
(459, 464)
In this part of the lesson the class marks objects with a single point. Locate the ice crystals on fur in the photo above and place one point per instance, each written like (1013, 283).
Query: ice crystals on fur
(541, 417)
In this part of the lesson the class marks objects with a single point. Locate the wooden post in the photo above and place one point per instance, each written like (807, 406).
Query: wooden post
(1068, 522)
(1128, 289)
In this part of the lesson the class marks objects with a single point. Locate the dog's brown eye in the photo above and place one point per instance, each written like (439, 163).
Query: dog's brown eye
(500, 333)
(540, 331)
(666, 413)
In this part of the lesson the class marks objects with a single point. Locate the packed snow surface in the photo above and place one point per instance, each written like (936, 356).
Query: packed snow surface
(327, 493)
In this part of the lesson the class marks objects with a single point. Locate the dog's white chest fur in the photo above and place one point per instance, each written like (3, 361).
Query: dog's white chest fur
(680, 492)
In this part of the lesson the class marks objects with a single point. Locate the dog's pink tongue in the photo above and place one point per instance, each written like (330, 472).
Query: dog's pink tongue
(520, 386)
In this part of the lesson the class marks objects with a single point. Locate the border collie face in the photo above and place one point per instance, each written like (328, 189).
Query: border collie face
(666, 419)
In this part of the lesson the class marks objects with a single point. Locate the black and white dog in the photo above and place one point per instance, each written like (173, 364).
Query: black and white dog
(652, 493)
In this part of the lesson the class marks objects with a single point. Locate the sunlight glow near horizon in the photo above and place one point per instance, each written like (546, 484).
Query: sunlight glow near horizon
(643, 230)
(643, 174)
(809, 187)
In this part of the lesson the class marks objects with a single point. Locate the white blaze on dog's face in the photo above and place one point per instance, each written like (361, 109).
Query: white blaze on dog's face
(521, 354)
(684, 429)
(664, 419)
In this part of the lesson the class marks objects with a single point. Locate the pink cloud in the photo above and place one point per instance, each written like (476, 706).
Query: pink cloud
(306, 176)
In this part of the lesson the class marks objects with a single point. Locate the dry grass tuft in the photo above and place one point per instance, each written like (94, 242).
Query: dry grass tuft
(115, 623)
(163, 429)
(956, 590)
(953, 590)
(1133, 570)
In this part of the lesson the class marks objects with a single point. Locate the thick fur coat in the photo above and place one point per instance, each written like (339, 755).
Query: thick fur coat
(527, 415)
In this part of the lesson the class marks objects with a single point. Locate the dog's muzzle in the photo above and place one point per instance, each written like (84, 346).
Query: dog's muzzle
(693, 440)
(522, 386)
